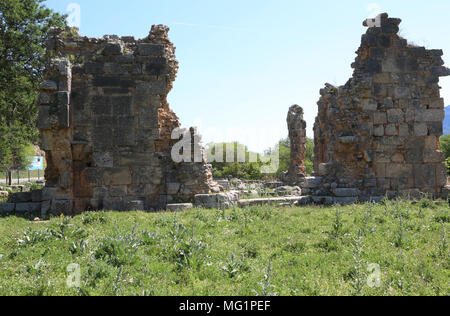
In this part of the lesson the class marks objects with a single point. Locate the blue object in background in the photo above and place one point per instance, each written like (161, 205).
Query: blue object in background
(37, 163)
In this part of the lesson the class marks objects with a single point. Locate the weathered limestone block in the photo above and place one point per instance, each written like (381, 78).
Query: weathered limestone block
(382, 128)
(59, 207)
(36, 195)
(45, 208)
(345, 192)
(7, 207)
(136, 205)
(20, 197)
(179, 207)
(217, 201)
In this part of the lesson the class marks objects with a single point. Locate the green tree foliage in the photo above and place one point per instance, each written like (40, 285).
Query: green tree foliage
(252, 170)
(248, 170)
(445, 148)
(23, 27)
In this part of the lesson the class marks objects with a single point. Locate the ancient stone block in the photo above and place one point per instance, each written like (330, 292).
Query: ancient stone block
(420, 129)
(404, 130)
(118, 191)
(124, 135)
(104, 159)
(430, 115)
(173, 188)
(7, 207)
(115, 69)
(391, 130)
(117, 176)
(425, 175)
(402, 93)
(433, 156)
(21, 197)
(135, 205)
(45, 98)
(395, 116)
(36, 196)
(102, 139)
(61, 207)
(414, 156)
(370, 105)
(93, 68)
(94, 176)
(122, 106)
(44, 118)
(435, 129)
(48, 85)
(147, 49)
(441, 175)
(179, 207)
(398, 170)
(431, 143)
(379, 118)
(28, 207)
(45, 208)
(152, 87)
(49, 193)
(113, 49)
(63, 116)
(113, 204)
(344, 192)
(437, 103)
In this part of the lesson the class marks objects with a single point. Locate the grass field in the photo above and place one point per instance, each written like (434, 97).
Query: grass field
(393, 248)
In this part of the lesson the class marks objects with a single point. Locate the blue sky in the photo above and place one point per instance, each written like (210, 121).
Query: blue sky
(243, 63)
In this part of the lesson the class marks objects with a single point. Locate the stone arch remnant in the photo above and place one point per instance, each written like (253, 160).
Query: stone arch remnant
(106, 125)
(379, 133)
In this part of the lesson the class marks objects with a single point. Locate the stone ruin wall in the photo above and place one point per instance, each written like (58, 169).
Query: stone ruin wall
(379, 134)
(297, 137)
(106, 125)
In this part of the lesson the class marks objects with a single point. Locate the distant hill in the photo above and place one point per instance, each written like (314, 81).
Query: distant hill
(447, 121)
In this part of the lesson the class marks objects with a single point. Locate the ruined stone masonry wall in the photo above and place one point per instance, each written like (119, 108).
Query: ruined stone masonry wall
(380, 132)
(106, 125)
(297, 136)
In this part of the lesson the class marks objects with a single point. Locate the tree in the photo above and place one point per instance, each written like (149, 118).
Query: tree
(243, 164)
(23, 27)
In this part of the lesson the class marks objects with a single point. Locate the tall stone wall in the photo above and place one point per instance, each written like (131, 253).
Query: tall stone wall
(379, 133)
(297, 136)
(106, 125)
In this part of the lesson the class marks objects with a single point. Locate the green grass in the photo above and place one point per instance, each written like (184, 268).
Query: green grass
(254, 251)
